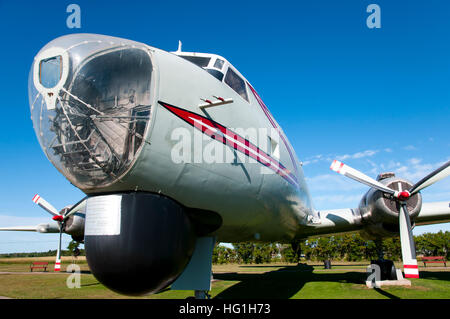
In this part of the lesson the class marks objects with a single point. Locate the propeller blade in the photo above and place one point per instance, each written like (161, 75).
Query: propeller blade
(58, 252)
(45, 205)
(41, 228)
(80, 206)
(431, 178)
(352, 173)
(20, 228)
(410, 267)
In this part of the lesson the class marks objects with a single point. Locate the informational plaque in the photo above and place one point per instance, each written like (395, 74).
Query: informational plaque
(103, 215)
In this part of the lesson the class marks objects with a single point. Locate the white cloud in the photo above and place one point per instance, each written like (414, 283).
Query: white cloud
(410, 148)
(330, 158)
(357, 155)
(335, 191)
(336, 201)
(335, 182)
(8, 221)
(415, 169)
(313, 159)
(415, 161)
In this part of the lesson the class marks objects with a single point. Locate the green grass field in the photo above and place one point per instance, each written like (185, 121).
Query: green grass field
(271, 281)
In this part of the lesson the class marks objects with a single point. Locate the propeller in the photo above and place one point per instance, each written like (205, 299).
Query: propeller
(410, 267)
(58, 217)
(45, 205)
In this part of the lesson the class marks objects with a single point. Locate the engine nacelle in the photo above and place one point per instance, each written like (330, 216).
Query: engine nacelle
(380, 214)
(74, 224)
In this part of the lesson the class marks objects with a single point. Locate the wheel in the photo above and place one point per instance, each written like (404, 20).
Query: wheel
(387, 269)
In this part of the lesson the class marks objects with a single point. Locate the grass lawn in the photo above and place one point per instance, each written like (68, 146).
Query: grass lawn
(271, 281)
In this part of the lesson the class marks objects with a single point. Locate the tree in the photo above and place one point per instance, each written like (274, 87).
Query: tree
(350, 247)
(244, 252)
(72, 245)
(370, 251)
(257, 253)
(73, 249)
(223, 255)
(287, 254)
(436, 244)
(325, 248)
(263, 253)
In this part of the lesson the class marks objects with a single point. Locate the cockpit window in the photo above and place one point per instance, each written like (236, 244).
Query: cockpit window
(50, 71)
(236, 83)
(219, 64)
(200, 61)
(216, 73)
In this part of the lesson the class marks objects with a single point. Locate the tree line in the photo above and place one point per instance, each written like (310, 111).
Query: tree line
(64, 252)
(40, 254)
(348, 247)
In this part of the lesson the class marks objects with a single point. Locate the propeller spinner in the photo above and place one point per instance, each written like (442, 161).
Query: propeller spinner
(410, 267)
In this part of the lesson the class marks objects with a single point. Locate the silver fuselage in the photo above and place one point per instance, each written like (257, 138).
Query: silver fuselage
(255, 203)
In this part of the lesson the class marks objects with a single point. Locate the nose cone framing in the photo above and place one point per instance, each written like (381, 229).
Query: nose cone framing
(90, 101)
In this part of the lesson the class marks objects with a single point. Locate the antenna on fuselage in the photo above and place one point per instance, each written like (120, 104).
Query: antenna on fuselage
(179, 46)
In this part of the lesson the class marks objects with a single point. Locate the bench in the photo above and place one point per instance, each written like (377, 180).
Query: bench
(434, 259)
(39, 264)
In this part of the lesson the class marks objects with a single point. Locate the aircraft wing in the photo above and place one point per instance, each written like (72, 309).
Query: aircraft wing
(347, 220)
(40, 228)
(334, 221)
(434, 213)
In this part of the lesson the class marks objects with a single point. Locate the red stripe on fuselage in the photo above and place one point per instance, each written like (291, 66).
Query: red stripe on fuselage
(232, 139)
(271, 120)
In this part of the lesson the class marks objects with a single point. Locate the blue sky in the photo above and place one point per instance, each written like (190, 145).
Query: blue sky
(378, 99)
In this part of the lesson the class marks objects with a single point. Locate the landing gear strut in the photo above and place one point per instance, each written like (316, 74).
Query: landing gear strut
(297, 248)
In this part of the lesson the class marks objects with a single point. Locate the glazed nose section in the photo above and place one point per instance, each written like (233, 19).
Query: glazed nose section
(90, 101)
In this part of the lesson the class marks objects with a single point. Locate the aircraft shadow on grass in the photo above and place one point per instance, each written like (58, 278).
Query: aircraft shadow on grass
(279, 284)
(287, 281)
